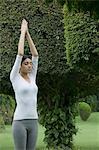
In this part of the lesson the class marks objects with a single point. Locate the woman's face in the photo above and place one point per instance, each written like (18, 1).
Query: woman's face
(26, 66)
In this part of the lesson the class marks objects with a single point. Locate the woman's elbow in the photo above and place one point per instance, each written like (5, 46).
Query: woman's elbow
(11, 76)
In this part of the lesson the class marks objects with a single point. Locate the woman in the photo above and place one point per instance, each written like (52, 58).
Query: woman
(23, 79)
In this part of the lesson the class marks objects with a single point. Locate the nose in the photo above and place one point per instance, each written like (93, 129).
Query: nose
(29, 65)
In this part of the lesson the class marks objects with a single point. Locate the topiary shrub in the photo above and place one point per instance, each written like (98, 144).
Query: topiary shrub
(2, 124)
(84, 110)
(92, 100)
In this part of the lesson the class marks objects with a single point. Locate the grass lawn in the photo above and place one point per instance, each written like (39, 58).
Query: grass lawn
(87, 137)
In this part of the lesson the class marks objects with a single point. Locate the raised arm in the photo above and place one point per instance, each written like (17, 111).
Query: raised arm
(17, 64)
(31, 44)
(34, 55)
(22, 37)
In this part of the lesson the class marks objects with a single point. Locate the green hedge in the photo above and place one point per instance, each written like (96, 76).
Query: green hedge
(79, 5)
(82, 44)
(46, 29)
(82, 50)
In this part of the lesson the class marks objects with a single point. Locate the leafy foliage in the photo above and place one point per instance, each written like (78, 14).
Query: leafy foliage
(45, 24)
(2, 124)
(83, 5)
(57, 108)
(59, 128)
(81, 34)
(79, 5)
(7, 106)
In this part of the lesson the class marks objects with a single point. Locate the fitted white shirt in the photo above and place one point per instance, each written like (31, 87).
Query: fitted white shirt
(25, 92)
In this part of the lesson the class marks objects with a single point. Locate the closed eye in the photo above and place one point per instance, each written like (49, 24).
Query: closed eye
(28, 63)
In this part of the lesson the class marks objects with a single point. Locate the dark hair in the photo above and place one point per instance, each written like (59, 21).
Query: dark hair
(25, 57)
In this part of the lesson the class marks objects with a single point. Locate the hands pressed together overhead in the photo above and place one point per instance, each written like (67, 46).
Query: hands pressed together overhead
(25, 33)
(24, 26)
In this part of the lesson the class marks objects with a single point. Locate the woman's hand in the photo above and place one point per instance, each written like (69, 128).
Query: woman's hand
(24, 26)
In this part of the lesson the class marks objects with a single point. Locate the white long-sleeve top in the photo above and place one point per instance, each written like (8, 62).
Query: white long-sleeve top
(25, 92)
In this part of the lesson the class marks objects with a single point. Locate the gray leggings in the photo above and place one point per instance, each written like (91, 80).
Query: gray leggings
(25, 134)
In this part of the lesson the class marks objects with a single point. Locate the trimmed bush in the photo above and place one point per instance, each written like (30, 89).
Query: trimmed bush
(92, 100)
(82, 49)
(84, 110)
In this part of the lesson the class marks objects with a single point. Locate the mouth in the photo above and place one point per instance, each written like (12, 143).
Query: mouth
(29, 69)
